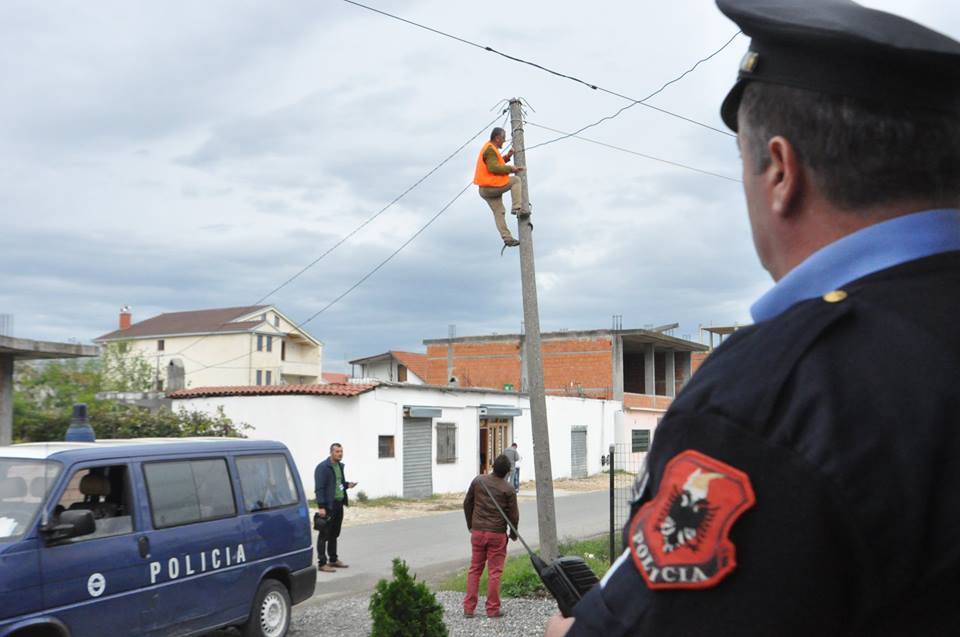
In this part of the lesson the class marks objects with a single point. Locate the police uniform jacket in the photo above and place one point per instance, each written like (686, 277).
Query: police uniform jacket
(806, 480)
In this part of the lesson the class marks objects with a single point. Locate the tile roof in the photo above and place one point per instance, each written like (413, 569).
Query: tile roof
(192, 322)
(329, 389)
(416, 363)
(335, 377)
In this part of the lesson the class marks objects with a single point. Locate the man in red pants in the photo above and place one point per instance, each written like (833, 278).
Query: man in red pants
(488, 533)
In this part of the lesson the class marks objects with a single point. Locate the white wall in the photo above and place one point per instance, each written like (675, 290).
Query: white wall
(637, 419)
(309, 424)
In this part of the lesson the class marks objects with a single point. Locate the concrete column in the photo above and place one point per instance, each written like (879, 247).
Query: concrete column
(671, 373)
(6, 399)
(685, 363)
(616, 342)
(649, 375)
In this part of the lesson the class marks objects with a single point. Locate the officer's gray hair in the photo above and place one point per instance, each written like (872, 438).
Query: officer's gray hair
(861, 153)
(497, 131)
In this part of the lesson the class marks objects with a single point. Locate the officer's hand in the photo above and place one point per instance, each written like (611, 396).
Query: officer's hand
(508, 155)
(558, 626)
(351, 485)
(323, 512)
(518, 169)
(513, 535)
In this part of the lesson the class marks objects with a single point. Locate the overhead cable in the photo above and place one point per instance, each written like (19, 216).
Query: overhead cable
(362, 279)
(633, 102)
(643, 102)
(632, 152)
(353, 232)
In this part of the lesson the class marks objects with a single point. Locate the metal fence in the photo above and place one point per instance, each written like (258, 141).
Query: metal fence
(622, 466)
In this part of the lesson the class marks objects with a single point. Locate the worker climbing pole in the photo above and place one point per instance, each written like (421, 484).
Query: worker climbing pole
(546, 515)
(495, 177)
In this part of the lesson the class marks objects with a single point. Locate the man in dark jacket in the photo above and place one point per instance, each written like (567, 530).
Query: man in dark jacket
(331, 487)
(488, 530)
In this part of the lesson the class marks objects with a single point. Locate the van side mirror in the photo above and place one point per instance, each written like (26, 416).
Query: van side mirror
(69, 524)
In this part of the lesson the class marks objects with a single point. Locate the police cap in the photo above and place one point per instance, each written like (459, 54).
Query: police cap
(841, 48)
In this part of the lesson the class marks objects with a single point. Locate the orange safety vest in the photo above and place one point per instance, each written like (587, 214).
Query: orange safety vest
(483, 177)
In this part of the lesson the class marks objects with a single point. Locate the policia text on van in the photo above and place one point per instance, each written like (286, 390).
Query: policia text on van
(151, 538)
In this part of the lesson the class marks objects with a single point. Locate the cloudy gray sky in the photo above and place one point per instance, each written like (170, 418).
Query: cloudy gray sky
(184, 155)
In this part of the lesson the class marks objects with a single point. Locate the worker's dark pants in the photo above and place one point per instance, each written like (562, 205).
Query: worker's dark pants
(327, 540)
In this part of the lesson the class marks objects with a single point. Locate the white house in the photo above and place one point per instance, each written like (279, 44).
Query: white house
(413, 440)
(253, 345)
(392, 366)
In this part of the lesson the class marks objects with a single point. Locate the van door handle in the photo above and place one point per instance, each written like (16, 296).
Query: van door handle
(143, 543)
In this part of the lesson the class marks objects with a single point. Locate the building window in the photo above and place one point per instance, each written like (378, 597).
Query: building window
(446, 442)
(385, 446)
(259, 377)
(269, 343)
(259, 342)
(283, 350)
(268, 376)
(276, 321)
(640, 440)
(160, 345)
(402, 373)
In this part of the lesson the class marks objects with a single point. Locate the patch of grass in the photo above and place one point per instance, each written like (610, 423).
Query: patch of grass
(520, 580)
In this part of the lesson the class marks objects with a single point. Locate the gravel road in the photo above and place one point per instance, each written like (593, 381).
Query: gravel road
(349, 617)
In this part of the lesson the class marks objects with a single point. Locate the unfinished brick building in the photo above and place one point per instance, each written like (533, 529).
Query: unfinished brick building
(642, 368)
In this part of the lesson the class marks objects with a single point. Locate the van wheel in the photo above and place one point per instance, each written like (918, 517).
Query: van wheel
(270, 614)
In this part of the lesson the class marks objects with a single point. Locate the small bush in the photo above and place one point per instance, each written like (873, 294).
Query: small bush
(405, 607)
(362, 497)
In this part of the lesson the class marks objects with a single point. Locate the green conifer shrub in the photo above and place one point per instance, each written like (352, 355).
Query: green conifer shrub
(405, 607)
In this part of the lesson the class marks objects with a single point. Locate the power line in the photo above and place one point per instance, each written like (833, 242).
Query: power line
(595, 87)
(654, 94)
(633, 152)
(361, 280)
(355, 230)
(393, 254)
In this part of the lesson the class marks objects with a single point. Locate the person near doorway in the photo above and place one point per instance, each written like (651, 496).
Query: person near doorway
(331, 489)
(494, 177)
(514, 456)
(488, 534)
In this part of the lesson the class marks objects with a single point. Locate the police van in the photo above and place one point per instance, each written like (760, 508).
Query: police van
(151, 537)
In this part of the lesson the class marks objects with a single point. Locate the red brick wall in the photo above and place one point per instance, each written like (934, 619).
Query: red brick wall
(696, 360)
(569, 366)
(646, 401)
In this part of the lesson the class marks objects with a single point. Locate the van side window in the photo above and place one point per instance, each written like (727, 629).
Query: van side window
(104, 491)
(266, 482)
(184, 492)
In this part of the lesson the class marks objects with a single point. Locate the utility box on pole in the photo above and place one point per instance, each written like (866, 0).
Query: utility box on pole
(543, 472)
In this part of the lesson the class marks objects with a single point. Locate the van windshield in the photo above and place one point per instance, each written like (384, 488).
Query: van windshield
(24, 485)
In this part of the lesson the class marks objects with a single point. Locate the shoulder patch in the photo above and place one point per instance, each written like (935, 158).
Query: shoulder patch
(680, 539)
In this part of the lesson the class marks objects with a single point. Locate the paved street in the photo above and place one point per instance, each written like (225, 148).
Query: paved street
(437, 544)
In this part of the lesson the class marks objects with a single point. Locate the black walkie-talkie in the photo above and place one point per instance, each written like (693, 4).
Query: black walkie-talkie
(567, 578)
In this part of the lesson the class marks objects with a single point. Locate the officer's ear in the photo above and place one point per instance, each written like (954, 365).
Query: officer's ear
(785, 177)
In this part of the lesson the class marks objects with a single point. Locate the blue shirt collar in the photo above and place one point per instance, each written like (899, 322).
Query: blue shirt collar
(874, 248)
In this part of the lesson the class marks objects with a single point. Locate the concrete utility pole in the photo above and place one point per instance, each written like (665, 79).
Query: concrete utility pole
(546, 514)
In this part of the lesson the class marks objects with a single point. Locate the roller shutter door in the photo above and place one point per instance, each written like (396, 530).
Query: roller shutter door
(578, 452)
(417, 465)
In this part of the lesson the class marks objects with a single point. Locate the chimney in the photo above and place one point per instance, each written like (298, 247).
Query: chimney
(125, 317)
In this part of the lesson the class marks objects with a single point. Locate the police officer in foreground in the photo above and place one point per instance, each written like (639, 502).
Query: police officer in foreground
(806, 480)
